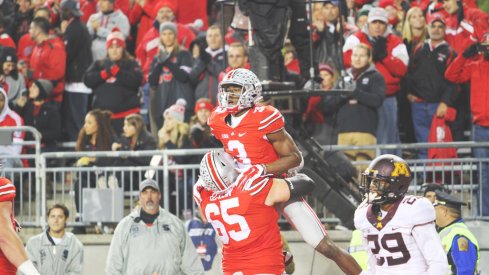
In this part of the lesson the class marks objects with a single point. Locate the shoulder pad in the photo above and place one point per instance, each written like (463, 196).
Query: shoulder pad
(7, 190)
(270, 119)
(418, 210)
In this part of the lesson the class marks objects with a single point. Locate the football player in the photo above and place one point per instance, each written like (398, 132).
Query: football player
(12, 253)
(241, 210)
(255, 136)
(398, 230)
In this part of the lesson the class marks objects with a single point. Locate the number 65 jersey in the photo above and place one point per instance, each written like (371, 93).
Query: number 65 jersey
(246, 226)
(403, 240)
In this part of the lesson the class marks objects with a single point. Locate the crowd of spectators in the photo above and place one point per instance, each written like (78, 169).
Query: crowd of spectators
(103, 72)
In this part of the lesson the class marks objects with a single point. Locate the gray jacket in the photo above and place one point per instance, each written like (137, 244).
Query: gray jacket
(107, 23)
(65, 258)
(164, 247)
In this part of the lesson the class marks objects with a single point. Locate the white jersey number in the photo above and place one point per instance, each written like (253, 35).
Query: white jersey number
(242, 155)
(394, 243)
(225, 205)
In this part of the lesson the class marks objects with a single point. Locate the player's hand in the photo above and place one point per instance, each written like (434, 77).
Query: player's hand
(249, 175)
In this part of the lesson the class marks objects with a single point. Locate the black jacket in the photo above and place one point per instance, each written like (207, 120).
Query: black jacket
(145, 142)
(47, 122)
(358, 111)
(205, 75)
(116, 94)
(78, 50)
(426, 74)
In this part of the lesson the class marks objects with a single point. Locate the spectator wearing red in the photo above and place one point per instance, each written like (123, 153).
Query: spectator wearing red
(101, 24)
(147, 49)
(191, 10)
(48, 60)
(23, 19)
(464, 25)
(26, 43)
(315, 120)
(391, 58)
(473, 66)
(237, 58)
(87, 7)
(9, 118)
(142, 15)
(115, 81)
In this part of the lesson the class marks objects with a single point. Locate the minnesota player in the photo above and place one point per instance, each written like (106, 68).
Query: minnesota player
(398, 230)
(12, 253)
(241, 210)
(255, 136)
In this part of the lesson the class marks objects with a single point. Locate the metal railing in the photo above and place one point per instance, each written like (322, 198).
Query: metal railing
(46, 184)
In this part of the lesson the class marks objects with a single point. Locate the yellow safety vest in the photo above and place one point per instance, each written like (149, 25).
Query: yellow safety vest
(457, 229)
(357, 250)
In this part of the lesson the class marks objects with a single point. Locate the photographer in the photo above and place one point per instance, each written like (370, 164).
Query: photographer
(134, 138)
(115, 81)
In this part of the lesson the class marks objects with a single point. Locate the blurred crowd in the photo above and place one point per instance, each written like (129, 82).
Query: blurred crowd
(144, 74)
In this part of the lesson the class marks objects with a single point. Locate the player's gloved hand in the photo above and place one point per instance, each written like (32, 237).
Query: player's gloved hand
(249, 175)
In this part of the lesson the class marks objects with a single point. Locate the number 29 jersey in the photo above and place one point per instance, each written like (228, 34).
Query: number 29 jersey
(247, 141)
(390, 238)
(247, 227)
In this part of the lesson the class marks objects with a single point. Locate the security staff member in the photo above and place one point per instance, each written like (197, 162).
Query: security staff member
(458, 242)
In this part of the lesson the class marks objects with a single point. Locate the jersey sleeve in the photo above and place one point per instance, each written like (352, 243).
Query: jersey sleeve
(422, 211)
(7, 190)
(270, 119)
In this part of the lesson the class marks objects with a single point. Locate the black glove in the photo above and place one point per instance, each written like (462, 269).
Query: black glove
(379, 48)
(471, 50)
(205, 57)
(162, 57)
(108, 66)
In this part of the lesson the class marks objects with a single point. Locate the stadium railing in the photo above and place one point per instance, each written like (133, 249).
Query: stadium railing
(45, 184)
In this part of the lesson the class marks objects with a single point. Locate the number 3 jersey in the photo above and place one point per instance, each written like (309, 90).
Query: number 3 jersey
(246, 226)
(392, 239)
(245, 139)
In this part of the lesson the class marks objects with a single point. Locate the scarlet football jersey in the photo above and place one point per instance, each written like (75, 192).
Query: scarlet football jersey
(247, 141)
(7, 193)
(246, 226)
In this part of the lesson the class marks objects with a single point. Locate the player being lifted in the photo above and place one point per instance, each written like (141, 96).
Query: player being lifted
(241, 210)
(398, 230)
(255, 136)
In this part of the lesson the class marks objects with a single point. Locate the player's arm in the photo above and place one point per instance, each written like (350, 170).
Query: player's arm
(289, 155)
(10, 243)
(429, 243)
(291, 188)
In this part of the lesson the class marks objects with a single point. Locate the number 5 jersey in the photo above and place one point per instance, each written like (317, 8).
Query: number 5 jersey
(402, 240)
(246, 226)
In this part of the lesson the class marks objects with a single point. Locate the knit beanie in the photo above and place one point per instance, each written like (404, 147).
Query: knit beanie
(161, 4)
(116, 37)
(177, 110)
(45, 88)
(203, 103)
(168, 26)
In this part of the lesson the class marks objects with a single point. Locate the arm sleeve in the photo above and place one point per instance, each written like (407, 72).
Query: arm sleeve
(457, 71)
(180, 74)
(397, 60)
(375, 96)
(115, 257)
(92, 77)
(215, 67)
(131, 76)
(371, 262)
(430, 246)
(191, 264)
(154, 73)
(464, 260)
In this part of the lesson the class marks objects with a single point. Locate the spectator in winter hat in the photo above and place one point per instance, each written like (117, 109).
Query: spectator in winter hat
(10, 79)
(174, 133)
(42, 115)
(115, 81)
(169, 76)
(203, 109)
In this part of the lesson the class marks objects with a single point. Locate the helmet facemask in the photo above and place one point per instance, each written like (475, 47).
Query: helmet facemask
(378, 189)
(226, 93)
(250, 90)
